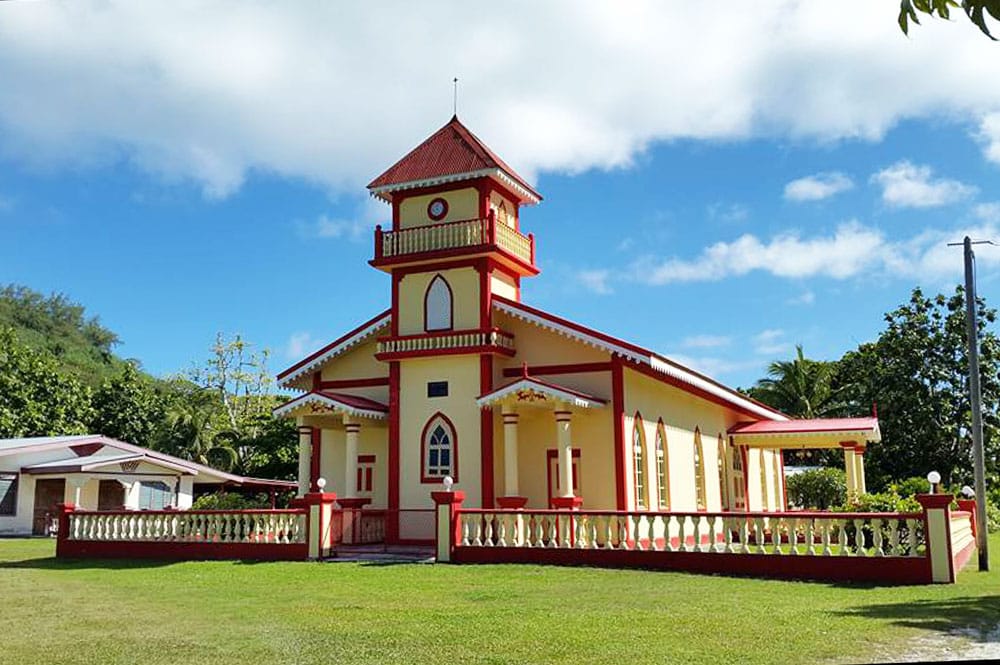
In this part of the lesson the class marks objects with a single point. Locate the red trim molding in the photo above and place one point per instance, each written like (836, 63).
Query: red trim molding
(315, 453)
(486, 432)
(618, 424)
(392, 519)
(370, 382)
(552, 370)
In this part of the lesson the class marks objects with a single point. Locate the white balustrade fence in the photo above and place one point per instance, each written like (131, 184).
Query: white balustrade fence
(455, 235)
(779, 534)
(282, 527)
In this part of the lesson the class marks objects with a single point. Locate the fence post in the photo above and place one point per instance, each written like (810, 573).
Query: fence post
(937, 533)
(62, 534)
(447, 526)
(320, 516)
(969, 506)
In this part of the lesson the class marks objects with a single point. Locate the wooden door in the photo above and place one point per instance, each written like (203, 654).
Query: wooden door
(48, 493)
(110, 495)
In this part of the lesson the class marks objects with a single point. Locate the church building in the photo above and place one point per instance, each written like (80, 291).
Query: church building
(519, 407)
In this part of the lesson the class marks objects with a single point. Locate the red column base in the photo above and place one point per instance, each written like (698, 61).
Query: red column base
(567, 502)
(353, 503)
(512, 502)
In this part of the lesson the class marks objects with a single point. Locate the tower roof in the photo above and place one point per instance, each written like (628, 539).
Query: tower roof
(451, 154)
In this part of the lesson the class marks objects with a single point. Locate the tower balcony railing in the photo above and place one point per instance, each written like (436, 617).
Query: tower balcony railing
(492, 340)
(471, 235)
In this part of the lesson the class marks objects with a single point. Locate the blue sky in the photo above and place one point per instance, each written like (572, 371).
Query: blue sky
(719, 221)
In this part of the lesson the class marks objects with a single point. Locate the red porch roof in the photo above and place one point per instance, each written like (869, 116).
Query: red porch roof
(806, 426)
(451, 151)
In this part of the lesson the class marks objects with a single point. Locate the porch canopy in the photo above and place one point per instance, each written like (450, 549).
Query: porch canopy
(531, 392)
(852, 435)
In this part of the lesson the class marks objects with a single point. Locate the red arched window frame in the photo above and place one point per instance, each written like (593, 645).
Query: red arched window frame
(438, 279)
(425, 436)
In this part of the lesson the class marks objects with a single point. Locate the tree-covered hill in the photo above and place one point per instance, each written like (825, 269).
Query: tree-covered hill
(56, 324)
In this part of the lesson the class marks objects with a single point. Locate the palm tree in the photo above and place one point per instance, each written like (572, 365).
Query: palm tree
(193, 430)
(801, 387)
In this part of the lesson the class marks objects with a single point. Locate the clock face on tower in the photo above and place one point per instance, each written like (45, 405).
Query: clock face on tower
(437, 209)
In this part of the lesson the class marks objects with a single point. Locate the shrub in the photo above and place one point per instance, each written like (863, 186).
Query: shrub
(230, 501)
(817, 488)
(911, 486)
(881, 502)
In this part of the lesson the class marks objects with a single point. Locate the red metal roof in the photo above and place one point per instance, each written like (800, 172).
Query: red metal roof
(806, 425)
(356, 401)
(452, 150)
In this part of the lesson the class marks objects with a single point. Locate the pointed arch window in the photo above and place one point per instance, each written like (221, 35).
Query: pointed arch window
(699, 471)
(763, 481)
(723, 474)
(438, 305)
(438, 450)
(639, 463)
(662, 467)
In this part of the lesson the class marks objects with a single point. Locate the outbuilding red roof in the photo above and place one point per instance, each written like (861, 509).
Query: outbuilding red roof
(806, 425)
(451, 151)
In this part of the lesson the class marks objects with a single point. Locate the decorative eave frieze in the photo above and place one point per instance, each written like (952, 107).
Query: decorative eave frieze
(335, 349)
(528, 197)
(321, 403)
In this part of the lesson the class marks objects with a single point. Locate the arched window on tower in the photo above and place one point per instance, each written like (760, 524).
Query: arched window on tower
(639, 463)
(439, 452)
(438, 305)
(662, 467)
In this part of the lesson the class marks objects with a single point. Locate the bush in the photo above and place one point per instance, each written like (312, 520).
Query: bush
(881, 502)
(230, 501)
(910, 486)
(817, 488)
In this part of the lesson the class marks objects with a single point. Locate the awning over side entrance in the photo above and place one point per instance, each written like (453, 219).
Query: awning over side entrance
(807, 433)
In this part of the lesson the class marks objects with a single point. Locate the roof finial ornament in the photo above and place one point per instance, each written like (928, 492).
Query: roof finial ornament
(524, 370)
(454, 83)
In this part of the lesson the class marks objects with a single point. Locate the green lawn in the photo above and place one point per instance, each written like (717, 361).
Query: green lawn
(224, 612)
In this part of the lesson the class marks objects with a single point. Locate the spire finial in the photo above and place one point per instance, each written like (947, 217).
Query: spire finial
(454, 83)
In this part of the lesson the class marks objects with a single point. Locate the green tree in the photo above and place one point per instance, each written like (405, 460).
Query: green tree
(917, 373)
(35, 398)
(975, 10)
(127, 407)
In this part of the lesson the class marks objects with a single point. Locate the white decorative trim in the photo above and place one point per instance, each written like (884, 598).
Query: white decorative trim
(870, 435)
(329, 402)
(351, 341)
(537, 388)
(657, 363)
(497, 173)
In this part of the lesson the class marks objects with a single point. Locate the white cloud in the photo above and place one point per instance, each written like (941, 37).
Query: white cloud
(327, 228)
(907, 185)
(706, 341)
(987, 212)
(770, 342)
(595, 281)
(300, 345)
(334, 92)
(843, 254)
(714, 366)
(804, 298)
(818, 187)
(728, 212)
(853, 250)
(989, 136)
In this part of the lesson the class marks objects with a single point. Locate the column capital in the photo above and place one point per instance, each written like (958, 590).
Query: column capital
(444, 497)
(932, 501)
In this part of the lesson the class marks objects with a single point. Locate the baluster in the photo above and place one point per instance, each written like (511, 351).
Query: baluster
(911, 525)
(877, 525)
(793, 535)
(651, 535)
(810, 545)
(681, 535)
(842, 538)
(636, 532)
(581, 530)
(592, 536)
(727, 534)
(477, 527)
(859, 537)
(758, 535)
(894, 537)
(608, 544)
(501, 531)
(777, 526)
(488, 532)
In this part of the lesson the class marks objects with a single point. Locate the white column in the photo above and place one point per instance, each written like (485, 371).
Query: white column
(851, 468)
(564, 442)
(352, 432)
(510, 485)
(305, 453)
(859, 470)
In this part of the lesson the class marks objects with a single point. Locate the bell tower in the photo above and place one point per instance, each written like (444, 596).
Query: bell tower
(455, 243)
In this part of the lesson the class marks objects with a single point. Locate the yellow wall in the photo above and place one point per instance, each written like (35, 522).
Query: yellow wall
(502, 285)
(510, 206)
(537, 346)
(357, 363)
(462, 204)
(373, 440)
(462, 375)
(590, 431)
(464, 283)
(682, 413)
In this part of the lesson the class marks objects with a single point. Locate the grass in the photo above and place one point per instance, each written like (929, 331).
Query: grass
(231, 612)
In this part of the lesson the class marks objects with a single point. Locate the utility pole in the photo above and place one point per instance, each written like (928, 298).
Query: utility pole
(976, 402)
